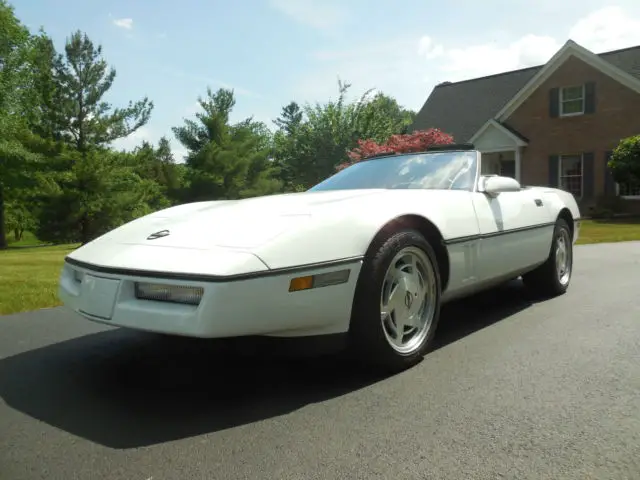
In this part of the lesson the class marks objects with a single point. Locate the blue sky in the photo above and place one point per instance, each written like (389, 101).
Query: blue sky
(275, 51)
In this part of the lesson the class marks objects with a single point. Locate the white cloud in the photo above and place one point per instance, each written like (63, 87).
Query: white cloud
(489, 58)
(152, 136)
(178, 151)
(320, 14)
(413, 65)
(605, 29)
(126, 23)
(609, 28)
(135, 139)
(429, 49)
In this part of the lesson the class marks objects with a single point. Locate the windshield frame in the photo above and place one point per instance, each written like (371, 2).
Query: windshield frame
(474, 187)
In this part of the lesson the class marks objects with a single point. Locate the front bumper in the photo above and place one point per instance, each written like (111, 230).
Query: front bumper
(259, 305)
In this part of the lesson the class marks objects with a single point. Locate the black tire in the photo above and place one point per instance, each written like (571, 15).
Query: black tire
(368, 341)
(545, 280)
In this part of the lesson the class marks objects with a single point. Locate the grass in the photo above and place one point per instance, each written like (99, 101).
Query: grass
(610, 230)
(28, 240)
(29, 273)
(29, 277)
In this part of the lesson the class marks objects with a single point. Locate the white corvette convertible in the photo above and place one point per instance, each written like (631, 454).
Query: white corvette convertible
(370, 254)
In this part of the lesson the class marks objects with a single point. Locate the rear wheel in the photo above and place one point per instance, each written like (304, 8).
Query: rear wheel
(397, 303)
(553, 277)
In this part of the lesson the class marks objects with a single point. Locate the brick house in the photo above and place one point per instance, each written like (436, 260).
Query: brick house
(554, 124)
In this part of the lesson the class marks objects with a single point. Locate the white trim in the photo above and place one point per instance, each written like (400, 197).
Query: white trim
(581, 155)
(492, 122)
(570, 48)
(499, 150)
(561, 100)
(626, 197)
(516, 160)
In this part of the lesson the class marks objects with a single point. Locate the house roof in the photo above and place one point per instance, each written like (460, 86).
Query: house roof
(462, 108)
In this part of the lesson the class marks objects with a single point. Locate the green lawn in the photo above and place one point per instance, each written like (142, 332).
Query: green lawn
(27, 240)
(29, 275)
(615, 230)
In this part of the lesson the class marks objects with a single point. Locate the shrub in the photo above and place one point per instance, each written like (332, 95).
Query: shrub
(418, 141)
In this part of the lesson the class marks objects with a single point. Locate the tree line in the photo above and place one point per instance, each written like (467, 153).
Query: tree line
(61, 179)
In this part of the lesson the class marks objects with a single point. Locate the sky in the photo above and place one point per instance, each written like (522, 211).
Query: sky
(272, 52)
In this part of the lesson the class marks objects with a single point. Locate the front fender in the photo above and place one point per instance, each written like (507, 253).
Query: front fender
(557, 200)
(346, 230)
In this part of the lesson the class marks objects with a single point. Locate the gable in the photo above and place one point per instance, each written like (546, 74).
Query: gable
(601, 92)
(496, 137)
(567, 52)
(607, 112)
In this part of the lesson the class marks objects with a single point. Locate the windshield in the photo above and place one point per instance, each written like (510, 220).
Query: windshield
(433, 171)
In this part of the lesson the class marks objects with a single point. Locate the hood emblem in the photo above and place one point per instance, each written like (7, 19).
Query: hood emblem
(160, 234)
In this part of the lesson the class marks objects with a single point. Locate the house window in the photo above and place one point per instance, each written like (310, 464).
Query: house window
(628, 191)
(572, 100)
(571, 174)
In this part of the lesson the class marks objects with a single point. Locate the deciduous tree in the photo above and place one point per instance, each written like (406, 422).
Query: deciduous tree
(312, 140)
(625, 161)
(15, 77)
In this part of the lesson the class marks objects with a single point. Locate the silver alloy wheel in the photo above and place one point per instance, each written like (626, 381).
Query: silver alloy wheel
(563, 256)
(408, 299)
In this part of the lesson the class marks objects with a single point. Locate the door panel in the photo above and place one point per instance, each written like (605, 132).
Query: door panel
(455, 214)
(515, 232)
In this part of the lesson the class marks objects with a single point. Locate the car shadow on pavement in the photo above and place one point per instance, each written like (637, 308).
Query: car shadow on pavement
(125, 389)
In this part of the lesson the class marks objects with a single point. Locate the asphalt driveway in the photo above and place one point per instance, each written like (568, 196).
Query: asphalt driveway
(516, 389)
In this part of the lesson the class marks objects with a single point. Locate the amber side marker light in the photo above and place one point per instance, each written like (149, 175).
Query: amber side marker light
(321, 280)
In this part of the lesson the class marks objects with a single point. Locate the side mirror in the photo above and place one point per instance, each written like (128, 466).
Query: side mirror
(495, 184)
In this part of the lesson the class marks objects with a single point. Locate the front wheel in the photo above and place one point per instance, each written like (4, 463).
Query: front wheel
(397, 304)
(553, 277)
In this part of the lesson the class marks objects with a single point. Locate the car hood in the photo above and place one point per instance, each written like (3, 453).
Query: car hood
(240, 224)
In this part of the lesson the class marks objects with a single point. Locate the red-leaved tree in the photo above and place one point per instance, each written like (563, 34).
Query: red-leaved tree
(417, 141)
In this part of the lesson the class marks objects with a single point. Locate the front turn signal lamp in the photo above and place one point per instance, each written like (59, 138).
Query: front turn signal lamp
(321, 280)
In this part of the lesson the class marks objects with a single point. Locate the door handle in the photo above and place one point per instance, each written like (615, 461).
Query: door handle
(538, 202)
